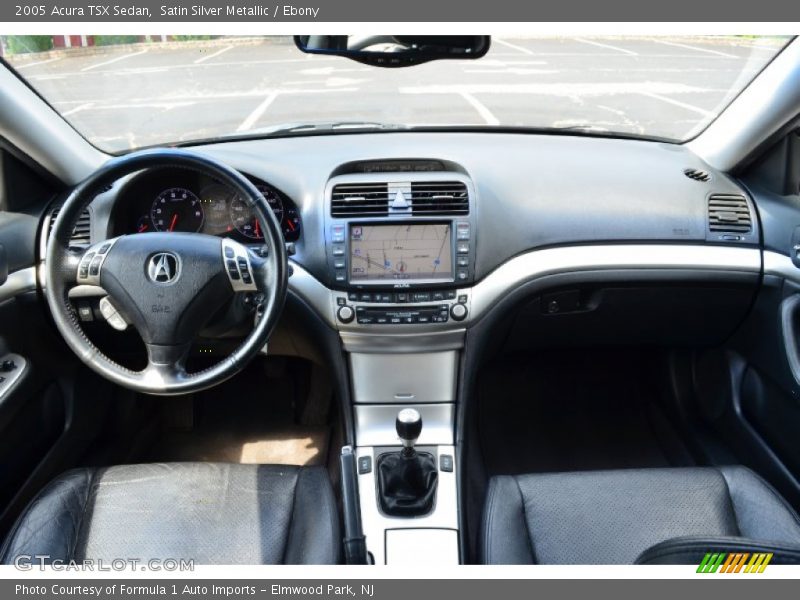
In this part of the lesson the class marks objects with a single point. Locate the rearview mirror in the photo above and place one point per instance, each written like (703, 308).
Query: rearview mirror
(395, 50)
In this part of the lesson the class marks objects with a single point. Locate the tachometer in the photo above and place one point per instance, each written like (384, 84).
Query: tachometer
(177, 209)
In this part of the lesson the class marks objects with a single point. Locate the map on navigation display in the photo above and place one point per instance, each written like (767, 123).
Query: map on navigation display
(407, 252)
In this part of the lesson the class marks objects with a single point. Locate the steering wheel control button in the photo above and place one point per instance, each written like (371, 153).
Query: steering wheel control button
(110, 314)
(345, 314)
(94, 267)
(91, 264)
(85, 313)
(236, 259)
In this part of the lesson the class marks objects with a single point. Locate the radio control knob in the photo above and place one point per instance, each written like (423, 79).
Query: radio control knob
(345, 314)
(458, 312)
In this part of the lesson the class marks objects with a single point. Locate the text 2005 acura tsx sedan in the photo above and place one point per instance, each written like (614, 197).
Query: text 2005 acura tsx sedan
(536, 303)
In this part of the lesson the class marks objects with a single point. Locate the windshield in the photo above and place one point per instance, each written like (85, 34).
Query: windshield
(125, 92)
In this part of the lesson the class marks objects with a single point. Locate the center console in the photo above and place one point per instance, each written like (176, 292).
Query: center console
(400, 251)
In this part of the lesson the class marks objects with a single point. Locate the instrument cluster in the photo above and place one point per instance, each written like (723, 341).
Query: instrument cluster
(194, 203)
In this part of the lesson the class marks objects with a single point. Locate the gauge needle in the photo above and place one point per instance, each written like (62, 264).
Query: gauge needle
(290, 224)
(173, 222)
(258, 228)
(143, 228)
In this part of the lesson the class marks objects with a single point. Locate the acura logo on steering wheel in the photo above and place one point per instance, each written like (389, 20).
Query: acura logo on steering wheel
(163, 267)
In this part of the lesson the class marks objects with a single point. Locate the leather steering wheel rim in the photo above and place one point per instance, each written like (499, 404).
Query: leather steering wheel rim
(167, 377)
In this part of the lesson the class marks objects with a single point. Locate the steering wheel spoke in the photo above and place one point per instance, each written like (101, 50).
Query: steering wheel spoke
(166, 364)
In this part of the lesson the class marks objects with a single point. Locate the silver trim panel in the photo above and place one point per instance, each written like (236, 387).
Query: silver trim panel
(375, 424)
(518, 271)
(781, 266)
(10, 378)
(375, 524)
(402, 342)
(17, 283)
(421, 547)
(412, 377)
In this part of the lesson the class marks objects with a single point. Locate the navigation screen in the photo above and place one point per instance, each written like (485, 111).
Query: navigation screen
(400, 252)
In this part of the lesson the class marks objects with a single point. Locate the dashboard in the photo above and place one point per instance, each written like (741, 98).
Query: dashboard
(388, 239)
(177, 200)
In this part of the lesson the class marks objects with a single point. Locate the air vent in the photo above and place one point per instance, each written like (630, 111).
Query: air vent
(729, 213)
(360, 200)
(697, 174)
(81, 235)
(439, 198)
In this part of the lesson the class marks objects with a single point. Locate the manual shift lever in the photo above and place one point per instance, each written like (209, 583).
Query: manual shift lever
(409, 426)
(407, 479)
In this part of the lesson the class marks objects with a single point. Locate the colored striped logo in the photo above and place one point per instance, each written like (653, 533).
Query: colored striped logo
(734, 562)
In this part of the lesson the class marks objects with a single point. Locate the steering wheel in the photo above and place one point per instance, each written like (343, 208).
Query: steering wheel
(167, 285)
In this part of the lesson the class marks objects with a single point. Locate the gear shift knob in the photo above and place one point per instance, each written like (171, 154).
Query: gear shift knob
(409, 426)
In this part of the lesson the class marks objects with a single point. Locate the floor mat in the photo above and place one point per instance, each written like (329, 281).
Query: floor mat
(289, 446)
(250, 419)
(568, 411)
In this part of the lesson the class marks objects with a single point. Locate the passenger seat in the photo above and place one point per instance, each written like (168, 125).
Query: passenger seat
(666, 516)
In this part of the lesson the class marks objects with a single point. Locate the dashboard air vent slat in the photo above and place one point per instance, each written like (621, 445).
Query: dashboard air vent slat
(697, 174)
(81, 235)
(439, 198)
(729, 213)
(360, 200)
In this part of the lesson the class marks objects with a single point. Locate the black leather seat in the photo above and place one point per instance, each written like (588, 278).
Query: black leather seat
(206, 512)
(643, 515)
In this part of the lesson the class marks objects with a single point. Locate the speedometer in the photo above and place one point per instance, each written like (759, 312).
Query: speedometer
(245, 220)
(177, 209)
(244, 217)
(274, 201)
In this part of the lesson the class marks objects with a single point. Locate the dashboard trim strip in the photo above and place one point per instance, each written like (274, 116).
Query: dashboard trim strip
(540, 263)
(535, 265)
(781, 266)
